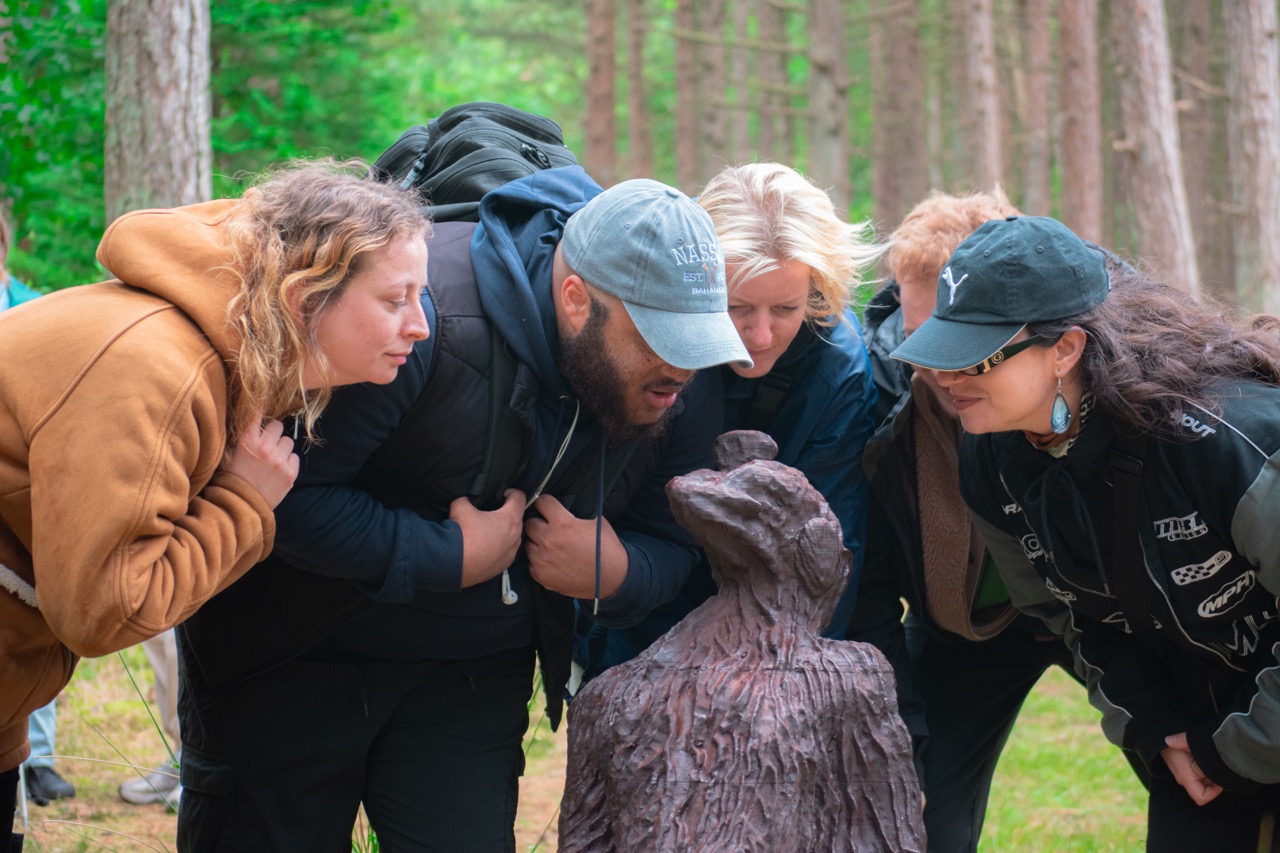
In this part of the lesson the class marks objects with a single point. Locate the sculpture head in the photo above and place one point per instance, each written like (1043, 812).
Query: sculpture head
(764, 527)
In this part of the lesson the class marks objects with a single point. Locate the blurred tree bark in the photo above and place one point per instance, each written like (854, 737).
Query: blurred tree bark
(1253, 135)
(740, 148)
(1038, 65)
(899, 173)
(1157, 193)
(713, 115)
(639, 137)
(828, 161)
(157, 151)
(1198, 86)
(982, 94)
(1150, 144)
(686, 94)
(1080, 93)
(600, 156)
(775, 120)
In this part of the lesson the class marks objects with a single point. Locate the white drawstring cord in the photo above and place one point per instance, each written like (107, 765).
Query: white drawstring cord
(509, 595)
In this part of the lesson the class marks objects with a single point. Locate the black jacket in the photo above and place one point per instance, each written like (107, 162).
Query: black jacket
(367, 564)
(1210, 575)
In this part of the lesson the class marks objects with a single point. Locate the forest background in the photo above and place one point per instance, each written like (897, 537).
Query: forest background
(1131, 120)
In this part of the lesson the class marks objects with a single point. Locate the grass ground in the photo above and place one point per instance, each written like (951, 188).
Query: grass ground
(1059, 786)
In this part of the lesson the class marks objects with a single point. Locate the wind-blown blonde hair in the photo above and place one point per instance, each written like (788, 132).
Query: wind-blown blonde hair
(298, 238)
(767, 215)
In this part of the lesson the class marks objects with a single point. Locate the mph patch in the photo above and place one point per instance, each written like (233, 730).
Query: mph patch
(1229, 596)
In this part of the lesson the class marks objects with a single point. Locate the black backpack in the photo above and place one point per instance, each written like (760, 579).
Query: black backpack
(451, 162)
(454, 159)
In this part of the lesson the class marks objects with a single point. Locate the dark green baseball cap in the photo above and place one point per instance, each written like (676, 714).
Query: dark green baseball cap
(1007, 274)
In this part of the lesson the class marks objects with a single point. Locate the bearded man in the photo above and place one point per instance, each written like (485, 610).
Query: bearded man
(384, 654)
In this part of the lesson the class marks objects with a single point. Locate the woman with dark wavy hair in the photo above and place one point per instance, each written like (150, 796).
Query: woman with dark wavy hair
(1123, 464)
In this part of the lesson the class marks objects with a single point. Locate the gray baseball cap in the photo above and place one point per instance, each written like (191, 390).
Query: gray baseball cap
(1007, 274)
(652, 247)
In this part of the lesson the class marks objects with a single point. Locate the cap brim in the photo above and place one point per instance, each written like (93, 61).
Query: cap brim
(947, 345)
(690, 341)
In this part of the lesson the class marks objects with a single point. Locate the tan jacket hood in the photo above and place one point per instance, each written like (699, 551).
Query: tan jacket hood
(177, 255)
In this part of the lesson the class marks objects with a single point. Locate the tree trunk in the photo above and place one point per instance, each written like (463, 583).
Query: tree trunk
(935, 146)
(1157, 191)
(983, 93)
(600, 154)
(687, 86)
(157, 151)
(1038, 62)
(712, 89)
(740, 148)
(1200, 126)
(828, 101)
(899, 177)
(1080, 91)
(1253, 134)
(639, 137)
(775, 125)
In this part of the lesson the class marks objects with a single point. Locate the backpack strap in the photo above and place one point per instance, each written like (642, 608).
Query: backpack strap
(771, 393)
(1128, 571)
(506, 443)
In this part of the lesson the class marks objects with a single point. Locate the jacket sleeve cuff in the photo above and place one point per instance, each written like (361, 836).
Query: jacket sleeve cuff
(1206, 755)
(626, 606)
(266, 515)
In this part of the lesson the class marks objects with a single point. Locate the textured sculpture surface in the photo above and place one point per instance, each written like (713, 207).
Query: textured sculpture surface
(742, 729)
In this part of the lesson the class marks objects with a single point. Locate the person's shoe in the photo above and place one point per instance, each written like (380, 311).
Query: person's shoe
(44, 785)
(157, 786)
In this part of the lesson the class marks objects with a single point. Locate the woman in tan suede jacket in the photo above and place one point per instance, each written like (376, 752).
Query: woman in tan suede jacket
(142, 448)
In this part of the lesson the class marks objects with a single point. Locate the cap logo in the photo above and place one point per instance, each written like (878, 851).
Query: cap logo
(953, 284)
(705, 258)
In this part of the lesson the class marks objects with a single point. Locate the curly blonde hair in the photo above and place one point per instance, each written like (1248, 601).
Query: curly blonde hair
(767, 215)
(298, 238)
(921, 246)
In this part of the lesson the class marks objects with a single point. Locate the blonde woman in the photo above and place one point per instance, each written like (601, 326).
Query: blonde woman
(142, 443)
(791, 262)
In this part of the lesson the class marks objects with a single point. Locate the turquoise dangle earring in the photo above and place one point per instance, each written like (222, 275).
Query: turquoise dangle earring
(1060, 413)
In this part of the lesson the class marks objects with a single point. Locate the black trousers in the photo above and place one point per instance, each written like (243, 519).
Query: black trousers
(283, 761)
(1231, 823)
(972, 693)
(10, 841)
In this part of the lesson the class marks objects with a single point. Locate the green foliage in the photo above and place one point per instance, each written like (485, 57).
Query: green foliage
(51, 109)
(303, 78)
(310, 77)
